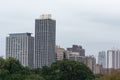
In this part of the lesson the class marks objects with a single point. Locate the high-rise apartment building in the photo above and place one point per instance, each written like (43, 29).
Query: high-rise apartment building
(45, 31)
(102, 58)
(113, 58)
(21, 47)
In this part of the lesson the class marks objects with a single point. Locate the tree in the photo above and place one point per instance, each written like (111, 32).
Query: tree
(13, 66)
(34, 77)
(15, 77)
(68, 70)
(2, 63)
(46, 72)
(11, 69)
(3, 74)
(36, 70)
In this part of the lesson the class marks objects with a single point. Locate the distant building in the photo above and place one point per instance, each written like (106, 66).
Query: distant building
(45, 31)
(98, 69)
(82, 59)
(102, 58)
(74, 54)
(91, 61)
(76, 48)
(60, 53)
(67, 54)
(113, 58)
(20, 46)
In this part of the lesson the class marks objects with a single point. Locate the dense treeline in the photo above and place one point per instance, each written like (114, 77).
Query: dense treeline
(11, 69)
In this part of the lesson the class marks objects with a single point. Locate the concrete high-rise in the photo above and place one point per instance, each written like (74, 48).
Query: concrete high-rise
(45, 32)
(21, 47)
(113, 58)
(102, 58)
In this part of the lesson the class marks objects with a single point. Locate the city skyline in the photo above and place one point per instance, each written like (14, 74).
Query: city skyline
(96, 22)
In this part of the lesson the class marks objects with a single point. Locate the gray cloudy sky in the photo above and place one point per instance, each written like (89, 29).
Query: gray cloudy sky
(94, 24)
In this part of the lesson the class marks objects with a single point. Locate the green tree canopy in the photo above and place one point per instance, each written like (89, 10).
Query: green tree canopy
(67, 70)
(11, 69)
(13, 66)
(34, 77)
(2, 63)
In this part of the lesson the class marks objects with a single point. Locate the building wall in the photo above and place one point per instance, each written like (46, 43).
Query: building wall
(45, 31)
(113, 58)
(20, 46)
(91, 61)
(102, 58)
(60, 53)
(98, 69)
(76, 48)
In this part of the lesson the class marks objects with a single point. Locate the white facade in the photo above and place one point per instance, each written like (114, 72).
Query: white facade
(113, 58)
(21, 47)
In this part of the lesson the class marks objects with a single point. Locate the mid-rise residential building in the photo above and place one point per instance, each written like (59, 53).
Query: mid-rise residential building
(45, 31)
(82, 59)
(60, 53)
(98, 69)
(21, 47)
(102, 58)
(76, 48)
(91, 62)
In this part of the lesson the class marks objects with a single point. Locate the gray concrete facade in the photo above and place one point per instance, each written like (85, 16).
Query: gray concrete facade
(45, 32)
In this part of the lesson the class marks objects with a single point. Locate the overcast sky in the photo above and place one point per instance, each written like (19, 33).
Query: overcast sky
(94, 24)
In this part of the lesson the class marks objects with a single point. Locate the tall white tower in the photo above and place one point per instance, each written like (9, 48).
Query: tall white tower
(113, 58)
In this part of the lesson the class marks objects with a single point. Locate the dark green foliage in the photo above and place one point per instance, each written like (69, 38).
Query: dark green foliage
(15, 77)
(67, 70)
(11, 69)
(3, 74)
(34, 77)
(2, 63)
(36, 70)
(13, 66)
